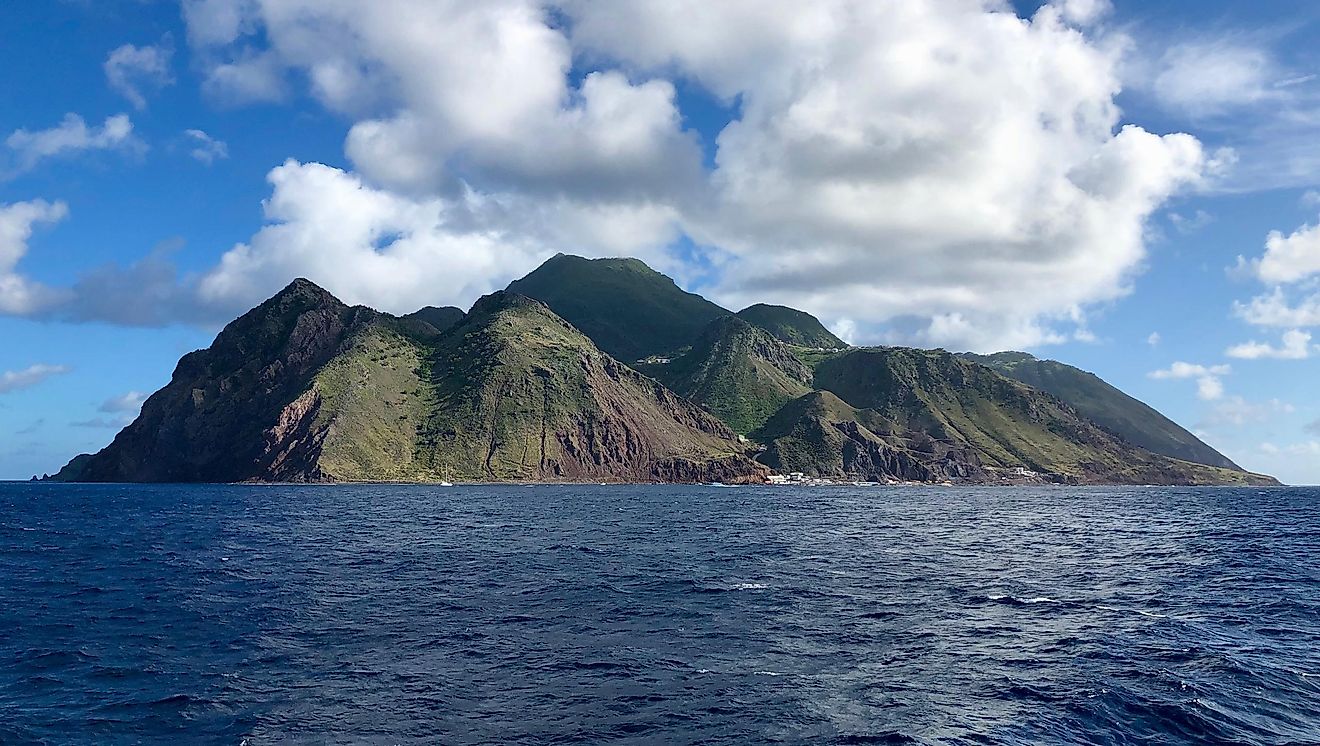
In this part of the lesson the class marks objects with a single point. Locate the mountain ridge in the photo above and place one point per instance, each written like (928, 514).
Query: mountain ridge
(306, 388)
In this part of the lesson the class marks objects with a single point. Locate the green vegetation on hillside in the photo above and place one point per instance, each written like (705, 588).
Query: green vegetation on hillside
(521, 395)
(1007, 423)
(628, 309)
(306, 388)
(738, 372)
(791, 326)
(1108, 407)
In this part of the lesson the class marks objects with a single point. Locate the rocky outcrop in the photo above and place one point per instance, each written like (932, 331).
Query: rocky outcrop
(213, 421)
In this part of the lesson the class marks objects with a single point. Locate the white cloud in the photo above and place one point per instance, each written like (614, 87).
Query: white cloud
(1154, 339)
(249, 77)
(1235, 411)
(129, 402)
(206, 149)
(896, 157)
(1274, 309)
(1190, 224)
(71, 135)
(1295, 345)
(1291, 264)
(1206, 76)
(368, 245)
(1084, 12)
(19, 294)
(1290, 258)
(1311, 198)
(13, 380)
(1209, 385)
(135, 71)
(894, 162)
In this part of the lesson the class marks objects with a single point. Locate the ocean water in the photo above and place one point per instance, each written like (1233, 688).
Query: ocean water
(641, 615)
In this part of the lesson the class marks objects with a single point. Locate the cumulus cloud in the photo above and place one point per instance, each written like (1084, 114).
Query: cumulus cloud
(1290, 258)
(13, 380)
(1294, 345)
(129, 402)
(71, 135)
(135, 71)
(897, 157)
(1291, 265)
(21, 295)
(1154, 339)
(1274, 309)
(1235, 411)
(204, 148)
(893, 163)
(369, 245)
(1209, 383)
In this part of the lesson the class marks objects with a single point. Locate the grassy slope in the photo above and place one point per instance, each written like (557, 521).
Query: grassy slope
(799, 438)
(520, 394)
(738, 372)
(1008, 423)
(628, 309)
(791, 326)
(1109, 407)
(374, 395)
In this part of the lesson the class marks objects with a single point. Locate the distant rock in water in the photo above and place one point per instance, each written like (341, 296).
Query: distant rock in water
(304, 388)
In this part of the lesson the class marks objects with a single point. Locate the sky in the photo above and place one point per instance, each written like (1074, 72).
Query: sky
(1129, 187)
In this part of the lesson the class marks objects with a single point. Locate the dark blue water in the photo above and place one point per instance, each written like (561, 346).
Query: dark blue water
(540, 615)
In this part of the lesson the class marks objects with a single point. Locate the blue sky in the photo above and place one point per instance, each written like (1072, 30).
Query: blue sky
(175, 163)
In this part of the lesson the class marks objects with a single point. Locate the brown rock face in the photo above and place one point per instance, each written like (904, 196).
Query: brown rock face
(305, 389)
(228, 413)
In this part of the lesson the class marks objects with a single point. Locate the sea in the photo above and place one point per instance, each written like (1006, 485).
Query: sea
(253, 615)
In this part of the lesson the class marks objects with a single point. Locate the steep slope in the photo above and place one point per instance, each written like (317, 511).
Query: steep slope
(628, 309)
(1007, 423)
(304, 388)
(236, 410)
(791, 326)
(820, 435)
(520, 394)
(1107, 406)
(739, 373)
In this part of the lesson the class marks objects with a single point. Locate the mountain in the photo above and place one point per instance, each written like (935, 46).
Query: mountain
(520, 394)
(1007, 424)
(791, 326)
(738, 372)
(305, 388)
(628, 309)
(1105, 405)
(819, 434)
